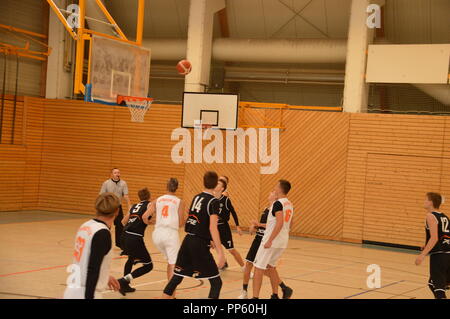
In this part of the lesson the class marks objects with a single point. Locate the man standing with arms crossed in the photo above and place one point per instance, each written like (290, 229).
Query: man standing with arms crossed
(118, 187)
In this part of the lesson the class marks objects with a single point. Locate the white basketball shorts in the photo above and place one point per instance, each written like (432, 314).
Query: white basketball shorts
(167, 241)
(267, 256)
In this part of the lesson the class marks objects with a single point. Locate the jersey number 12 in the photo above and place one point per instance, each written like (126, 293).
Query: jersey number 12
(444, 221)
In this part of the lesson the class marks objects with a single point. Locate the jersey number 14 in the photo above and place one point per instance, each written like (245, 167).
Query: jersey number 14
(197, 204)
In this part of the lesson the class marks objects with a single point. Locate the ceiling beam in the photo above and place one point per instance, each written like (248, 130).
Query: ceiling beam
(298, 14)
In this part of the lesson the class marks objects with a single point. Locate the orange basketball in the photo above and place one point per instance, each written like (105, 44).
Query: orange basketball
(184, 67)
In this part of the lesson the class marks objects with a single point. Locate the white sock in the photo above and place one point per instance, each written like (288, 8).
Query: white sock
(128, 277)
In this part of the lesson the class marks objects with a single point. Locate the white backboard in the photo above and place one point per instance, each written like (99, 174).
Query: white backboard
(220, 110)
(118, 68)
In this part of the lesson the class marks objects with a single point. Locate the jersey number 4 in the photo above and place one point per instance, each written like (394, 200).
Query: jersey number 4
(165, 211)
(197, 204)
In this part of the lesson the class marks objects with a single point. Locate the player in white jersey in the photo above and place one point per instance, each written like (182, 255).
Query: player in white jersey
(92, 255)
(169, 212)
(275, 240)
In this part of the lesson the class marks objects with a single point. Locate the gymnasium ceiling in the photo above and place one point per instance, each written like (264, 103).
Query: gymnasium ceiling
(407, 21)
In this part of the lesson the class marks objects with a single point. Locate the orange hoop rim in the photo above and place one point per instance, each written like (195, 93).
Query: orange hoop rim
(127, 98)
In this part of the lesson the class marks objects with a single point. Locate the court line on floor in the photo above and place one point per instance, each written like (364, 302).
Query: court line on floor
(204, 286)
(356, 288)
(372, 290)
(38, 221)
(46, 268)
(366, 263)
(391, 276)
(138, 285)
(32, 270)
(335, 256)
(179, 290)
(397, 295)
(328, 270)
(293, 277)
(403, 294)
(23, 295)
(62, 266)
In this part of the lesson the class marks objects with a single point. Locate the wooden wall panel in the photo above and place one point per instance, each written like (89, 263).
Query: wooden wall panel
(17, 190)
(83, 141)
(445, 185)
(76, 154)
(244, 178)
(8, 114)
(445, 176)
(243, 187)
(313, 155)
(342, 166)
(34, 116)
(143, 150)
(394, 194)
(402, 135)
(12, 166)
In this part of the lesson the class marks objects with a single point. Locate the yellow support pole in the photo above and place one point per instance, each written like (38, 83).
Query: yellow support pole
(108, 36)
(259, 105)
(111, 19)
(89, 38)
(79, 59)
(63, 19)
(34, 34)
(140, 22)
(22, 54)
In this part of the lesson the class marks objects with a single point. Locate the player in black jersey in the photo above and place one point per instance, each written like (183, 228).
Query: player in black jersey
(194, 257)
(225, 209)
(135, 222)
(437, 228)
(258, 228)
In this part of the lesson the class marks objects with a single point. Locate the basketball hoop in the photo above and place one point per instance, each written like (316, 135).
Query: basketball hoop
(199, 125)
(138, 106)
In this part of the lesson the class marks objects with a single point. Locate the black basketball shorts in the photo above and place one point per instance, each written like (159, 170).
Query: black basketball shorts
(195, 259)
(226, 238)
(254, 249)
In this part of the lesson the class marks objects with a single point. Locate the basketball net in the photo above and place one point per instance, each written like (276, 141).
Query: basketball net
(137, 106)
